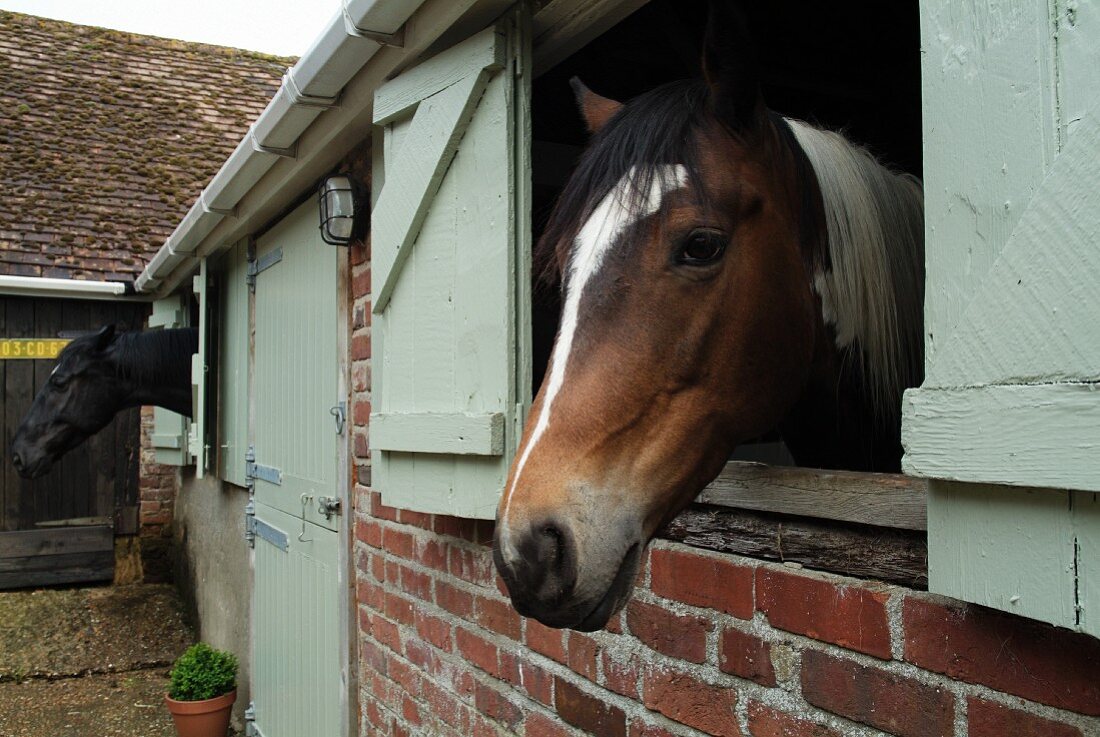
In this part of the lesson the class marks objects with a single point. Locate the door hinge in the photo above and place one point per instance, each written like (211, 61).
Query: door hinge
(250, 728)
(253, 470)
(258, 265)
(250, 523)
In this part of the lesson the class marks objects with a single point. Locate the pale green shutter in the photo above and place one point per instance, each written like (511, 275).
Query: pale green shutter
(1006, 422)
(169, 429)
(233, 365)
(450, 242)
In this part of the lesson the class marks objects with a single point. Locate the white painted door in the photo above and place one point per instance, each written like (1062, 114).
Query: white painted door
(299, 669)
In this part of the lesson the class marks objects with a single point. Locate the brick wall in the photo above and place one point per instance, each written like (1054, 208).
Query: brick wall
(709, 644)
(157, 488)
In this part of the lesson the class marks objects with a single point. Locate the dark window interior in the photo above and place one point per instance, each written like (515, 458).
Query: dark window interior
(851, 66)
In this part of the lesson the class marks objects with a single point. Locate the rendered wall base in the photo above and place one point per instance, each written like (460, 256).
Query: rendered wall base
(212, 569)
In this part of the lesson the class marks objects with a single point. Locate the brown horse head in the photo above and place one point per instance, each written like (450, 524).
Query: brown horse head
(688, 242)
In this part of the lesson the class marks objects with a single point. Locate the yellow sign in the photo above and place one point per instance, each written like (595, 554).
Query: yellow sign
(30, 347)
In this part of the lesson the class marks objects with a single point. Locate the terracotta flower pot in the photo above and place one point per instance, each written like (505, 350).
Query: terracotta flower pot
(207, 718)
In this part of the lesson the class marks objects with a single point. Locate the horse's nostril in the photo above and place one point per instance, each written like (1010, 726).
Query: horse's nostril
(555, 558)
(17, 461)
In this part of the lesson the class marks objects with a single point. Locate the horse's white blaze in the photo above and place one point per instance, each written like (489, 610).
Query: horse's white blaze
(621, 208)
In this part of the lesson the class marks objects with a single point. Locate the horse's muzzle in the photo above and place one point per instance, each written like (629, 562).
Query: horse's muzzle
(540, 569)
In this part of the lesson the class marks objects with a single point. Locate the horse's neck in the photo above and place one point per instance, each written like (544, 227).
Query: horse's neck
(834, 424)
(156, 366)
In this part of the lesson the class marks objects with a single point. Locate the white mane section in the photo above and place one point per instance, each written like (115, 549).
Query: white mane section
(873, 294)
(618, 210)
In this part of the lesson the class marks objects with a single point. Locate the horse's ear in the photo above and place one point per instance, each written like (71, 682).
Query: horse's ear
(104, 336)
(730, 67)
(595, 110)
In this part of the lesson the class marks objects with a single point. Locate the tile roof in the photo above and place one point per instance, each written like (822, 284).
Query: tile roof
(106, 138)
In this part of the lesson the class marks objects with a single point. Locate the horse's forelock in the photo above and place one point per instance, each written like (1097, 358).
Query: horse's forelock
(655, 130)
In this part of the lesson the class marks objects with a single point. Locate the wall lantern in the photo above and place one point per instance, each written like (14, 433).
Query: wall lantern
(339, 205)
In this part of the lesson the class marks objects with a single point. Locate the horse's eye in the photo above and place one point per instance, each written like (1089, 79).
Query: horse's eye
(59, 381)
(701, 248)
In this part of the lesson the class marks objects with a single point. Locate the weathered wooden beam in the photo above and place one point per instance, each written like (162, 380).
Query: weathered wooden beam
(884, 500)
(891, 555)
(52, 541)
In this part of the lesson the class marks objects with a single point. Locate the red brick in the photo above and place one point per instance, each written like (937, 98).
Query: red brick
(876, 697)
(416, 519)
(1007, 653)
(368, 532)
(747, 656)
(620, 675)
(473, 566)
(850, 616)
(360, 347)
(372, 657)
(545, 640)
(378, 568)
(642, 729)
(494, 705)
(360, 445)
(497, 616)
(682, 698)
(454, 600)
(445, 706)
(593, 715)
(537, 725)
(398, 609)
(380, 510)
(454, 527)
(767, 722)
(360, 412)
(420, 655)
(433, 629)
(369, 594)
(403, 674)
(580, 655)
(398, 543)
(682, 637)
(702, 581)
(360, 281)
(432, 554)
(385, 632)
(987, 719)
(478, 651)
(538, 684)
(416, 584)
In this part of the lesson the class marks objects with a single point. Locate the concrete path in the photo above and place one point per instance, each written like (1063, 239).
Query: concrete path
(83, 662)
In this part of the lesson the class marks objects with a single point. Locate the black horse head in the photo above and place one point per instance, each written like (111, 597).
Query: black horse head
(96, 376)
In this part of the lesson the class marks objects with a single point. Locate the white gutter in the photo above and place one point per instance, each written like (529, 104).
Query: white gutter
(311, 86)
(37, 286)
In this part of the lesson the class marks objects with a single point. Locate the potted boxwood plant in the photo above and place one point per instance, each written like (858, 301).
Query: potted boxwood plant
(202, 691)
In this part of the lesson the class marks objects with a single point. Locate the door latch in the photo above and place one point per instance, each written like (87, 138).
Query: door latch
(328, 506)
(339, 411)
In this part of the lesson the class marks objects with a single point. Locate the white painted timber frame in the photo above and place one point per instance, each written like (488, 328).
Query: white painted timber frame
(170, 430)
(196, 437)
(1006, 425)
(450, 246)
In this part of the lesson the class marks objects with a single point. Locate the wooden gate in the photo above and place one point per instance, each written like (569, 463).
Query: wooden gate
(94, 487)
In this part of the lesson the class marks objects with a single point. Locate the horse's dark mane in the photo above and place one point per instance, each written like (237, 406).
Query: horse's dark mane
(655, 128)
(161, 357)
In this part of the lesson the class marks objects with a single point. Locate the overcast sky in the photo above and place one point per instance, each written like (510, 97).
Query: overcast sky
(282, 27)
